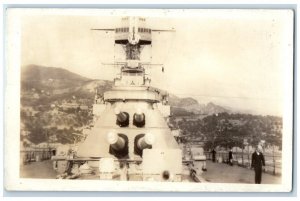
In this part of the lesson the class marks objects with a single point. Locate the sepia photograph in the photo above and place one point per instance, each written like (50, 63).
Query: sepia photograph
(149, 100)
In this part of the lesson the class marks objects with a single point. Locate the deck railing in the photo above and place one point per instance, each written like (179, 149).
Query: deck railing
(34, 155)
(243, 158)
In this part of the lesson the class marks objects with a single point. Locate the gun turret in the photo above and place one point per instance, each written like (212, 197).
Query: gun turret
(118, 144)
(115, 141)
(142, 142)
(139, 119)
(122, 118)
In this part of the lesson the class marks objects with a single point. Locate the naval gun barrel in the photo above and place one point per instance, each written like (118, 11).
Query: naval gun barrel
(116, 141)
(122, 118)
(139, 119)
(145, 142)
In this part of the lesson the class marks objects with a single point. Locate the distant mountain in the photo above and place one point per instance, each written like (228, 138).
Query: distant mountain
(51, 84)
(43, 85)
(35, 72)
(34, 76)
(191, 106)
(211, 108)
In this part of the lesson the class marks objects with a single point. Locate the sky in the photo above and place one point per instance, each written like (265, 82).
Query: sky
(234, 58)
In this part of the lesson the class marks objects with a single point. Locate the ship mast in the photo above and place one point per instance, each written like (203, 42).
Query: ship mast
(133, 35)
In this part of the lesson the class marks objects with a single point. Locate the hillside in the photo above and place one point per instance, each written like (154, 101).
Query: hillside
(47, 85)
(35, 72)
(47, 94)
(229, 130)
(39, 77)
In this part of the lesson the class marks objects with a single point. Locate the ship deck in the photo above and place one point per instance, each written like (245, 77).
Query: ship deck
(216, 173)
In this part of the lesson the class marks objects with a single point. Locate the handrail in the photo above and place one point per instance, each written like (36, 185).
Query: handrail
(272, 160)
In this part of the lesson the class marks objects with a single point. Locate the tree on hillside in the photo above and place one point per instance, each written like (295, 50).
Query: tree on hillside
(219, 130)
(37, 134)
(211, 127)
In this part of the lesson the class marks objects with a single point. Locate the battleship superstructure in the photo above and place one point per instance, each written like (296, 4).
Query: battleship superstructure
(130, 139)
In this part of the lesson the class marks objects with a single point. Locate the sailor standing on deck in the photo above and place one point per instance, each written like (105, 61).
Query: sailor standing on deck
(258, 161)
(213, 152)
